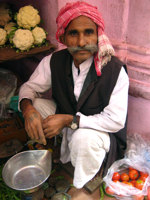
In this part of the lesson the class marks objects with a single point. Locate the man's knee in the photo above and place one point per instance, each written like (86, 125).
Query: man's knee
(85, 139)
(89, 139)
(87, 144)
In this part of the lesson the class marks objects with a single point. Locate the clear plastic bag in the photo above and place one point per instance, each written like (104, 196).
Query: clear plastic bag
(8, 84)
(137, 156)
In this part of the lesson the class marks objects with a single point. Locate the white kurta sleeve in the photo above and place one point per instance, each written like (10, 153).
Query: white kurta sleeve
(113, 117)
(39, 82)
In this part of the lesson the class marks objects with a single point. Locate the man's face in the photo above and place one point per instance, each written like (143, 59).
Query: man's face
(81, 39)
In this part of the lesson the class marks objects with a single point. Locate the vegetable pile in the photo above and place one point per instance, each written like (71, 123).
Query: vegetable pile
(20, 29)
(133, 178)
(5, 192)
(130, 177)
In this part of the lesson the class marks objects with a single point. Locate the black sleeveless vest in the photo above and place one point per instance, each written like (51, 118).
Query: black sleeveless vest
(94, 97)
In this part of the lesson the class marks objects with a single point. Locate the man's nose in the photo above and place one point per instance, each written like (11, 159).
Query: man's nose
(81, 40)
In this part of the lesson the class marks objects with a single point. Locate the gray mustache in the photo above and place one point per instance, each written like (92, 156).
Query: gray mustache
(91, 48)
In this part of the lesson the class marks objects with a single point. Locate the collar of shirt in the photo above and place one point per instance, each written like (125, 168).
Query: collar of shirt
(84, 67)
(79, 79)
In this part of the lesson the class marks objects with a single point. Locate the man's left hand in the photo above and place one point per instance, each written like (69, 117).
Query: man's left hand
(53, 124)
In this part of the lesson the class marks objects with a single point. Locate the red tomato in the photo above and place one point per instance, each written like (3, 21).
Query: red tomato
(116, 181)
(133, 174)
(130, 168)
(125, 182)
(128, 183)
(109, 191)
(143, 178)
(116, 176)
(139, 184)
(124, 177)
(144, 174)
(133, 182)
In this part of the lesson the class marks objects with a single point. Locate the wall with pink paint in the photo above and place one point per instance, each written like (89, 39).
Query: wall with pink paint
(139, 24)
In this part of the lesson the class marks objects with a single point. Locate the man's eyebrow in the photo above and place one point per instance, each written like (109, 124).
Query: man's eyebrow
(75, 31)
(72, 31)
(89, 30)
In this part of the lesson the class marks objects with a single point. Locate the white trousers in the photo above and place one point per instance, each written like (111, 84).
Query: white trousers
(85, 148)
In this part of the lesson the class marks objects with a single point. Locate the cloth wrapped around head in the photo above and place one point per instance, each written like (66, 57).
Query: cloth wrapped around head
(76, 9)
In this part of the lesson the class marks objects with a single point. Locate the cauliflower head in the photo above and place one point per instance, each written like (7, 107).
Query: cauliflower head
(28, 17)
(4, 14)
(39, 35)
(3, 37)
(23, 39)
(8, 27)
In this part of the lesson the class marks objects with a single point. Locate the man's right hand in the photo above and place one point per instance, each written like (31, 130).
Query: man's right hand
(33, 122)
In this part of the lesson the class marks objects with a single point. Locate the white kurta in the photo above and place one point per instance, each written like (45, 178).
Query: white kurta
(113, 117)
(87, 146)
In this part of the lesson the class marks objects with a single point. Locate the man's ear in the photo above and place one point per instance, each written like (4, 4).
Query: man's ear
(62, 38)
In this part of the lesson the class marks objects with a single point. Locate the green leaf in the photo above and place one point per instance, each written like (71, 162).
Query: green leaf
(104, 187)
(101, 193)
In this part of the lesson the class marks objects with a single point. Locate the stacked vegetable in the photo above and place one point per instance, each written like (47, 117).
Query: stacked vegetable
(21, 30)
(5, 17)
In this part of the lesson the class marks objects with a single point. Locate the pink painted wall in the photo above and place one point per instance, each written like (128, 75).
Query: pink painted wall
(139, 24)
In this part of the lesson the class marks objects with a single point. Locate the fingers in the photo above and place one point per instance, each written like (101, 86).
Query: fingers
(52, 125)
(41, 135)
(49, 133)
(30, 131)
(36, 133)
(33, 126)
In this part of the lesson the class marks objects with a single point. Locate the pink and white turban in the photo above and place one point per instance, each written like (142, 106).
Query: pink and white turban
(73, 10)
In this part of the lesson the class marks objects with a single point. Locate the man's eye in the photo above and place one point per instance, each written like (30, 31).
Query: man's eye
(89, 31)
(73, 33)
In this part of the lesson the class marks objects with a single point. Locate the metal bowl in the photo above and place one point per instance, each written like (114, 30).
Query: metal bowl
(28, 170)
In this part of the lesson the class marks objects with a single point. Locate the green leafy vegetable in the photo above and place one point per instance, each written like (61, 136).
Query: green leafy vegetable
(7, 193)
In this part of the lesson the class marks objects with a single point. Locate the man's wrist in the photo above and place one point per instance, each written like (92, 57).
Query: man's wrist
(25, 106)
(75, 122)
(78, 120)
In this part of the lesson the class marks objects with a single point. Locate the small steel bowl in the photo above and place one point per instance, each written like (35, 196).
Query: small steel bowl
(28, 170)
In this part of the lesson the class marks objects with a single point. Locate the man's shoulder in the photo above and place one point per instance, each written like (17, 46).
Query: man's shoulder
(117, 61)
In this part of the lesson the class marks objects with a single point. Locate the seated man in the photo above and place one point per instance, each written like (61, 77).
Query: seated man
(89, 90)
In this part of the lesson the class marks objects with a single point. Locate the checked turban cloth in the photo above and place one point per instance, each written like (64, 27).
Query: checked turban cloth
(76, 9)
